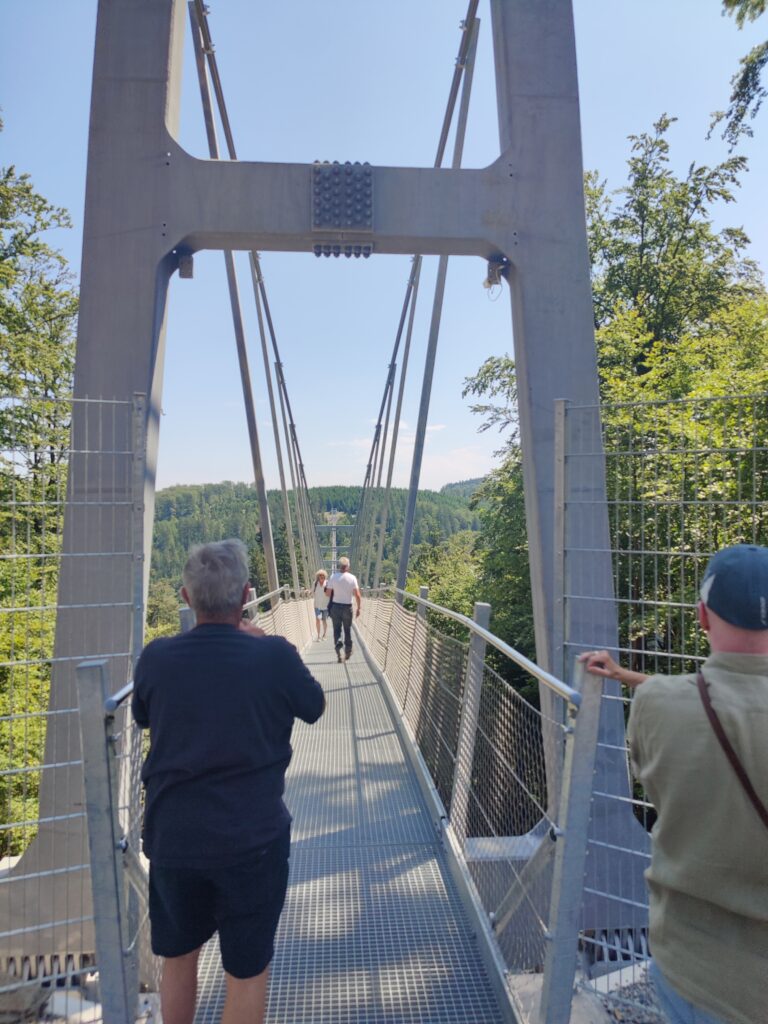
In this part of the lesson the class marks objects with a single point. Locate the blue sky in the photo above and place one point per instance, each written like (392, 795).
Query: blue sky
(360, 81)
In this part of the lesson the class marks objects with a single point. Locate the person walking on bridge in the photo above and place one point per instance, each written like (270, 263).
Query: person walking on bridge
(708, 877)
(342, 587)
(219, 702)
(321, 602)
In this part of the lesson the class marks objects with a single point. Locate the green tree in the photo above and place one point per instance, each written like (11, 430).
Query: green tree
(653, 246)
(747, 89)
(163, 605)
(680, 312)
(38, 308)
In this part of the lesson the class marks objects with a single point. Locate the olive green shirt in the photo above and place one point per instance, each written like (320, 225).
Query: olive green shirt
(708, 877)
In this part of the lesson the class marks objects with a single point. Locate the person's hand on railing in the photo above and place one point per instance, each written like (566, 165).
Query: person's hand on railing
(600, 663)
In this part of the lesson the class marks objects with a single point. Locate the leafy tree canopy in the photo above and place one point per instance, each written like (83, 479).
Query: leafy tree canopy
(653, 246)
(747, 89)
(680, 312)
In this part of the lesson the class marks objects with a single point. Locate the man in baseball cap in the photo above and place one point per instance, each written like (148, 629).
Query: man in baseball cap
(708, 878)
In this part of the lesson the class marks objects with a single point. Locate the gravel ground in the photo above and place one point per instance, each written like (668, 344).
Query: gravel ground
(634, 1004)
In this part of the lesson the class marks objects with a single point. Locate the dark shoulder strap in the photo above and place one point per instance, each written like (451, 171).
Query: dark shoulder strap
(730, 753)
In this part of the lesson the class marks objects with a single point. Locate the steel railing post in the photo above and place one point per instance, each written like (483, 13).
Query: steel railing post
(571, 851)
(118, 998)
(470, 710)
(420, 624)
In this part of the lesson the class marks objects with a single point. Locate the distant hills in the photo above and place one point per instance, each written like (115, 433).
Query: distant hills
(194, 514)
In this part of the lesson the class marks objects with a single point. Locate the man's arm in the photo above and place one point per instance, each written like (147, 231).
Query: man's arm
(306, 696)
(139, 708)
(600, 663)
(358, 598)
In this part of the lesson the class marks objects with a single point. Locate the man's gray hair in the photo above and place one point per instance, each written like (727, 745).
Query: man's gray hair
(343, 562)
(215, 575)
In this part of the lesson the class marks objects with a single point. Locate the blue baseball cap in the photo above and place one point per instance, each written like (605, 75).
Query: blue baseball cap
(735, 586)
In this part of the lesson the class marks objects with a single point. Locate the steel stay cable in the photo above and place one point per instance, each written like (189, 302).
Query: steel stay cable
(293, 471)
(285, 400)
(467, 26)
(209, 50)
(256, 279)
(237, 317)
(466, 43)
(468, 48)
(412, 290)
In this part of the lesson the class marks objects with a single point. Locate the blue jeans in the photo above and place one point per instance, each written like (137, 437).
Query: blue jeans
(676, 1009)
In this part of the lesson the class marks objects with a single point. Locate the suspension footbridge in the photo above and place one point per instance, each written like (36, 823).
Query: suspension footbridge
(459, 853)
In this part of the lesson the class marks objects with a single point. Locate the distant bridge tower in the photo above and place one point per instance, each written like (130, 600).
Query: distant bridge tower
(334, 547)
(150, 205)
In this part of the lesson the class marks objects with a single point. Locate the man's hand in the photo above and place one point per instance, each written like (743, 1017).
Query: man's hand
(357, 613)
(249, 626)
(600, 663)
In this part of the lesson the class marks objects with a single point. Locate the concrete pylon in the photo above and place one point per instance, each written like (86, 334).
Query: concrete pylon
(150, 205)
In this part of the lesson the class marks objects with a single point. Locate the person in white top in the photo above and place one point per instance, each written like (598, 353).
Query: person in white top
(341, 588)
(321, 602)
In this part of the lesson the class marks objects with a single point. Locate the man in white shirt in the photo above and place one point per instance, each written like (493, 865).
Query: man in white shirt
(341, 588)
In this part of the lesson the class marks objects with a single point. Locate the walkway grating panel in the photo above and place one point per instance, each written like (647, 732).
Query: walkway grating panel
(373, 930)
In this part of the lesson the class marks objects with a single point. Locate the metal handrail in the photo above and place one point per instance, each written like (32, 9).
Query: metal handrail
(285, 590)
(113, 702)
(559, 687)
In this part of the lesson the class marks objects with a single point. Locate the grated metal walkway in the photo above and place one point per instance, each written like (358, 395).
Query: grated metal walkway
(373, 931)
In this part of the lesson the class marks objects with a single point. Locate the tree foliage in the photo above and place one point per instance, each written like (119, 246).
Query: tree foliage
(680, 313)
(195, 514)
(747, 89)
(653, 246)
(38, 309)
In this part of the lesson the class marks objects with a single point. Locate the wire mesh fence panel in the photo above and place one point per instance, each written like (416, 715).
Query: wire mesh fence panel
(684, 479)
(68, 571)
(433, 705)
(483, 744)
(509, 834)
(291, 619)
(399, 647)
(130, 749)
(379, 623)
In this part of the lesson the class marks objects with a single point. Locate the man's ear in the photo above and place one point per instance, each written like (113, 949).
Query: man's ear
(246, 593)
(185, 597)
(703, 616)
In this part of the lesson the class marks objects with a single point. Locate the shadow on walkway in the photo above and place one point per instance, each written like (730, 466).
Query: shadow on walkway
(373, 931)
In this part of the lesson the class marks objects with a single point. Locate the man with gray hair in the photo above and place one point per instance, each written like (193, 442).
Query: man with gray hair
(220, 702)
(698, 745)
(342, 587)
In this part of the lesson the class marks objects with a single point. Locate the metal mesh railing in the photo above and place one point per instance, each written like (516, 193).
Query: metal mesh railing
(505, 776)
(291, 619)
(68, 561)
(684, 479)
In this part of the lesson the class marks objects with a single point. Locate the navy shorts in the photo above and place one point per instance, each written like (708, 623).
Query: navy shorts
(242, 902)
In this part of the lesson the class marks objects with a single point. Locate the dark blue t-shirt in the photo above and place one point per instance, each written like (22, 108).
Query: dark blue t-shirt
(220, 706)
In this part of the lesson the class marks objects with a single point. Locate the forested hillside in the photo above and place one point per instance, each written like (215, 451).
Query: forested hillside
(193, 514)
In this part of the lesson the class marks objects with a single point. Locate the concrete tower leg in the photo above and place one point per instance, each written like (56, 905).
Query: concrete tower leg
(538, 106)
(125, 272)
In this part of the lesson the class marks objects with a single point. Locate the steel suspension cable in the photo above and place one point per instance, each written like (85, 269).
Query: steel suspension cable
(412, 289)
(292, 470)
(237, 318)
(467, 53)
(464, 63)
(257, 277)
